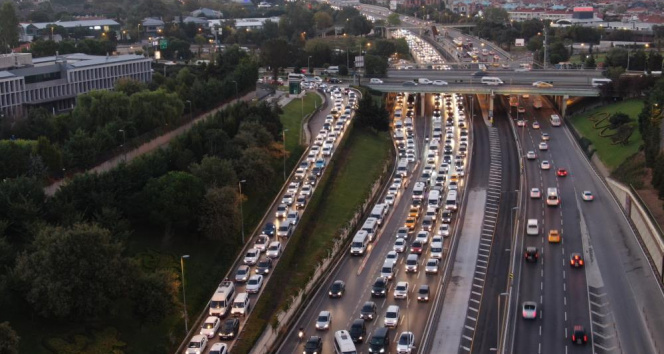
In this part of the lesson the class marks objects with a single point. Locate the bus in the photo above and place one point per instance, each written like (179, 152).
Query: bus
(555, 120)
(600, 82)
(552, 197)
(458, 43)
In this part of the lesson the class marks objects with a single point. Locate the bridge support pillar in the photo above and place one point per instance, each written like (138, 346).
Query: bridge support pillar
(422, 101)
(563, 105)
(492, 98)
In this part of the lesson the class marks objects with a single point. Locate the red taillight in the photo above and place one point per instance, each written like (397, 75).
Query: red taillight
(581, 262)
(573, 338)
(585, 338)
(524, 313)
(571, 262)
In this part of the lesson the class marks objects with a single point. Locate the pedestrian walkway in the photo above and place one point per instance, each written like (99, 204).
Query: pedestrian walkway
(148, 147)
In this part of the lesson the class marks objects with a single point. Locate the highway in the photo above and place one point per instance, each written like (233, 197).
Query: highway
(556, 77)
(616, 283)
(315, 125)
(359, 273)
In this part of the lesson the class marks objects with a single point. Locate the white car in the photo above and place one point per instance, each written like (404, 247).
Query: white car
(389, 199)
(545, 165)
(543, 146)
(324, 320)
(401, 290)
(399, 245)
(392, 316)
(375, 81)
(535, 193)
(293, 187)
(432, 266)
(261, 243)
(254, 284)
(210, 326)
(282, 211)
(546, 136)
(274, 250)
(219, 348)
(422, 236)
(531, 155)
(406, 343)
(439, 83)
(392, 256)
(288, 199)
(197, 344)
(587, 196)
(293, 217)
(536, 125)
(251, 257)
(306, 190)
(529, 310)
(444, 230)
(393, 190)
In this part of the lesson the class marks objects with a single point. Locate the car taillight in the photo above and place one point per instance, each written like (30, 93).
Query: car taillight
(524, 313)
(571, 262)
(573, 337)
(585, 338)
(580, 262)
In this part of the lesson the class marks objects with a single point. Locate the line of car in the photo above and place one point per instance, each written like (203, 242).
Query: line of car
(227, 301)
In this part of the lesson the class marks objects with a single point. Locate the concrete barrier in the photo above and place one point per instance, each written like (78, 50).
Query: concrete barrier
(648, 230)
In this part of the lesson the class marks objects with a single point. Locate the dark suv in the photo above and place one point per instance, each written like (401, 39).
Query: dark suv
(579, 335)
(423, 293)
(229, 328)
(379, 288)
(314, 345)
(380, 341)
(531, 254)
(368, 311)
(358, 331)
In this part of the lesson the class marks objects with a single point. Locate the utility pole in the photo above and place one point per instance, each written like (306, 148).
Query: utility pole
(546, 52)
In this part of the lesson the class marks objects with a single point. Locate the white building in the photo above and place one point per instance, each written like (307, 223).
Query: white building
(253, 23)
(54, 82)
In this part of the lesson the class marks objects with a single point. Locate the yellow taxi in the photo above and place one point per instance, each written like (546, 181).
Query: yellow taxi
(554, 236)
(414, 212)
(410, 223)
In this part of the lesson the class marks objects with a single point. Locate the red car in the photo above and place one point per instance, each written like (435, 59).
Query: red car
(416, 247)
(576, 260)
(561, 172)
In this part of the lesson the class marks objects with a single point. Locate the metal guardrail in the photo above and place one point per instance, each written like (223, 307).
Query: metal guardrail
(648, 212)
(478, 88)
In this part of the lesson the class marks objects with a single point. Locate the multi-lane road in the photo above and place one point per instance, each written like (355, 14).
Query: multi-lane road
(615, 295)
(359, 273)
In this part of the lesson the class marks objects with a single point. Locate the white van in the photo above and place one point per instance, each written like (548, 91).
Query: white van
(295, 77)
(360, 243)
(343, 344)
(418, 190)
(402, 168)
(451, 200)
(408, 123)
(387, 270)
(379, 211)
(398, 136)
(434, 198)
(437, 250)
(241, 305)
(222, 299)
(333, 69)
(371, 226)
(555, 120)
(491, 80)
(600, 82)
(532, 227)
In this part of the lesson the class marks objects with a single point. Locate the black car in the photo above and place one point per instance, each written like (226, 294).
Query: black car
(446, 217)
(579, 335)
(314, 345)
(269, 229)
(368, 311)
(264, 266)
(358, 331)
(334, 80)
(229, 328)
(423, 293)
(480, 73)
(531, 254)
(337, 289)
(379, 288)
(380, 341)
(409, 83)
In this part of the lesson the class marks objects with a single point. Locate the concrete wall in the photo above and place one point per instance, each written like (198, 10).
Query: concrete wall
(648, 231)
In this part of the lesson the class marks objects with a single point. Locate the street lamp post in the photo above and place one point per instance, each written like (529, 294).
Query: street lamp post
(184, 294)
(191, 114)
(239, 184)
(124, 140)
(235, 82)
(283, 133)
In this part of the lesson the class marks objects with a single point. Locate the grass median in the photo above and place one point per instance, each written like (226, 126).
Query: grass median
(293, 116)
(612, 155)
(357, 164)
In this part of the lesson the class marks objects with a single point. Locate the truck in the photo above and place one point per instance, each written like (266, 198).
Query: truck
(537, 102)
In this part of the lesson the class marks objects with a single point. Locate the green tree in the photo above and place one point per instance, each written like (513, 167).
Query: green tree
(8, 27)
(8, 339)
(323, 20)
(214, 172)
(220, 217)
(371, 115)
(617, 119)
(558, 52)
(394, 19)
(153, 296)
(590, 62)
(622, 135)
(43, 48)
(174, 198)
(129, 86)
(375, 66)
(276, 54)
(50, 155)
(255, 166)
(74, 273)
(80, 150)
(496, 15)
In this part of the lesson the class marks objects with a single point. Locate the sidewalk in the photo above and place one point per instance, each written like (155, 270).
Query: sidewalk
(148, 147)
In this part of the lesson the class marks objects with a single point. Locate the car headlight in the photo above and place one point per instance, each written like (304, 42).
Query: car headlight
(329, 293)
(382, 350)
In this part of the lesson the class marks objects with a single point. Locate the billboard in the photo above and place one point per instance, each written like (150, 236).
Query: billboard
(519, 42)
